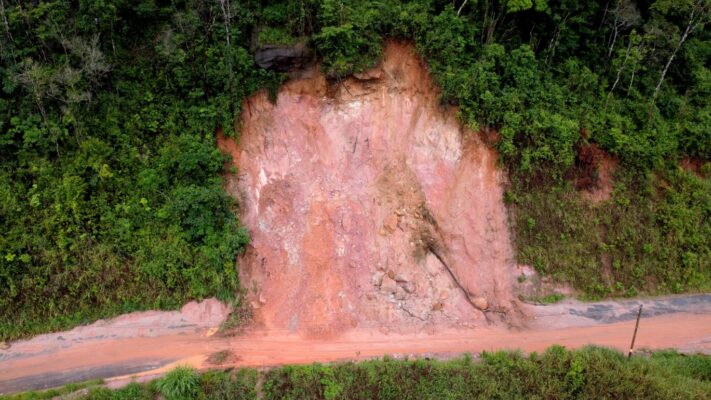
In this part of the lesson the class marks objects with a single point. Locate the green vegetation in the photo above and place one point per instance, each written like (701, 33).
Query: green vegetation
(589, 373)
(549, 299)
(110, 196)
(110, 191)
(56, 392)
(651, 236)
(182, 383)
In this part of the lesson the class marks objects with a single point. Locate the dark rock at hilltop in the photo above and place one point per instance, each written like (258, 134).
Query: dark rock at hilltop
(283, 58)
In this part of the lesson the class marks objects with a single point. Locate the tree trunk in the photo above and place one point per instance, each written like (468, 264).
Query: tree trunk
(554, 40)
(226, 15)
(604, 16)
(622, 68)
(614, 39)
(690, 27)
(4, 19)
(631, 79)
(462, 6)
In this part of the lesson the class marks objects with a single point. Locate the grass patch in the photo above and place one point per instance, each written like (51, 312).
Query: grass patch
(651, 237)
(589, 373)
(179, 384)
(55, 392)
(550, 299)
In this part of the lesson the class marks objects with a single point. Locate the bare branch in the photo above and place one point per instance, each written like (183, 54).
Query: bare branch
(462, 6)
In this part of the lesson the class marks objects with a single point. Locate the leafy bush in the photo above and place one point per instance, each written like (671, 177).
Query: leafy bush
(109, 172)
(348, 40)
(239, 385)
(182, 383)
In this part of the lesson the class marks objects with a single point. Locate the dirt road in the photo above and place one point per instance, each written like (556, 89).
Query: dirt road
(677, 322)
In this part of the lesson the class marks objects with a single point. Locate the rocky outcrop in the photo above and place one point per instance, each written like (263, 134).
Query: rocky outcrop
(370, 206)
(283, 58)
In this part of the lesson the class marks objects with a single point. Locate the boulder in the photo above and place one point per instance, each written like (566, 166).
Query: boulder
(480, 303)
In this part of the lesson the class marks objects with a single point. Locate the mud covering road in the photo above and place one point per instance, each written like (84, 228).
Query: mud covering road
(682, 322)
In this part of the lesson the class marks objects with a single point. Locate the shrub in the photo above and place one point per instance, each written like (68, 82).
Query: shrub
(182, 383)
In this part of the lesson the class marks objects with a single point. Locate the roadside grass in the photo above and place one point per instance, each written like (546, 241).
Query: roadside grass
(54, 392)
(651, 237)
(181, 383)
(557, 373)
(549, 299)
(589, 373)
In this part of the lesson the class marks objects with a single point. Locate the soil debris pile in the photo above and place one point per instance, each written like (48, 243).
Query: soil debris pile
(369, 206)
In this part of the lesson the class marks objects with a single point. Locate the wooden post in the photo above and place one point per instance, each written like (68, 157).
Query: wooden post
(634, 336)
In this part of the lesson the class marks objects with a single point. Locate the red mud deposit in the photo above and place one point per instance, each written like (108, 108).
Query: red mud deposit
(193, 316)
(369, 207)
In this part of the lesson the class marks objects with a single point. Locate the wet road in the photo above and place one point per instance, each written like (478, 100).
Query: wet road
(682, 322)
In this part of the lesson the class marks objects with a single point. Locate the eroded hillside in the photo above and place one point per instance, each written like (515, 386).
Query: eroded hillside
(369, 205)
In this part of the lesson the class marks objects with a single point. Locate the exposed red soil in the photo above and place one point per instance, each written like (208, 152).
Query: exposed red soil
(602, 183)
(369, 206)
(692, 165)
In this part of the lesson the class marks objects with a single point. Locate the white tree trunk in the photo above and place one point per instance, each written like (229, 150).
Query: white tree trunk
(462, 6)
(622, 68)
(227, 17)
(634, 70)
(4, 19)
(690, 27)
(614, 39)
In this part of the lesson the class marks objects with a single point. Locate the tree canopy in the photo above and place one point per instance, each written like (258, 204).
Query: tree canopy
(110, 191)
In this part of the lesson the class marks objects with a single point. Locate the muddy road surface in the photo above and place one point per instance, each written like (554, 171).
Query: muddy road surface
(120, 349)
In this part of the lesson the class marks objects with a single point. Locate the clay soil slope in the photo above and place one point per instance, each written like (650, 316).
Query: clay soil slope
(369, 206)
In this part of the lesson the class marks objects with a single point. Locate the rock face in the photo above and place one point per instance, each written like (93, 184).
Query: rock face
(369, 206)
(283, 58)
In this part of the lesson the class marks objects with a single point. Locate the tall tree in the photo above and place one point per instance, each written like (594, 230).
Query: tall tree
(697, 13)
(625, 15)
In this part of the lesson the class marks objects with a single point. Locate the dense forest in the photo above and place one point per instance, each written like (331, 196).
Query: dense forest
(111, 196)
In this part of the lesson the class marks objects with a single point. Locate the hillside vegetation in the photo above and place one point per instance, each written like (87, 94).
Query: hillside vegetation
(110, 188)
(589, 373)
